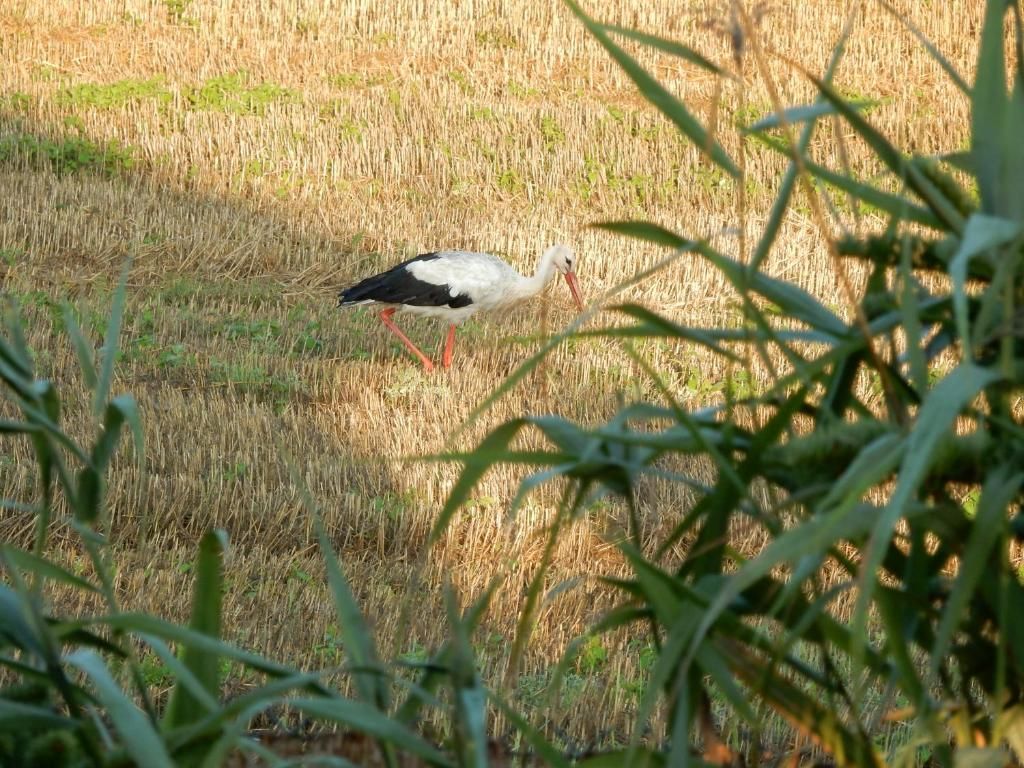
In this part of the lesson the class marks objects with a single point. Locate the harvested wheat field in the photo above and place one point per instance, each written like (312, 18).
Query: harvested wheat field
(254, 158)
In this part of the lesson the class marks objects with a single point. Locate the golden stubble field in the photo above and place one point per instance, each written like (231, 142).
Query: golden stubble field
(254, 157)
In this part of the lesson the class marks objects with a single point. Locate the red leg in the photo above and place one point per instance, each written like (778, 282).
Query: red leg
(449, 346)
(385, 318)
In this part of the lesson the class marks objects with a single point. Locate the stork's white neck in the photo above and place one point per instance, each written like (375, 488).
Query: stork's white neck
(528, 287)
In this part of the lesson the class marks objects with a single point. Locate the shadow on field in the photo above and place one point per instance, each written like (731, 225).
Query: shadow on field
(230, 344)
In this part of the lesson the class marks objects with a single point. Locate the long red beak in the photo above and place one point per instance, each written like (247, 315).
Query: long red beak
(570, 279)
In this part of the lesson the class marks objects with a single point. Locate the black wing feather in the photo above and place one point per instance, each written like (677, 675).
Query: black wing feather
(398, 286)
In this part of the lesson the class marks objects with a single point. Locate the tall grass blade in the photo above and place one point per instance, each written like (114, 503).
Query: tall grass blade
(989, 110)
(83, 350)
(792, 300)
(803, 114)
(435, 668)
(943, 404)
(140, 738)
(207, 598)
(551, 755)
(17, 362)
(41, 567)
(652, 325)
(806, 713)
(932, 196)
(14, 629)
(526, 622)
(108, 354)
(469, 694)
(484, 456)
(649, 232)
(997, 495)
(19, 717)
(183, 676)
(244, 707)
(671, 47)
(656, 93)
(897, 206)
(118, 411)
(368, 719)
(982, 233)
(145, 624)
(12, 427)
(359, 644)
(360, 648)
(928, 45)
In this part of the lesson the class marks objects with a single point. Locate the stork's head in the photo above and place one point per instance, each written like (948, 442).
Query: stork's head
(564, 260)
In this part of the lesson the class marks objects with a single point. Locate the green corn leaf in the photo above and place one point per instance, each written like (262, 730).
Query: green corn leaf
(943, 404)
(14, 353)
(989, 111)
(241, 709)
(146, 624)
(902, 17)
(17, 717)
(653, 325)
(997, 494)
(83, 349)
(368, 719)
(714, 663)
(962, 161)
(669, 668)
(360, 648)
(207, 598)
(117, 412)
(47, 396)
(665, 45)
(656, 93)
(486, 455)
(469, 696)
(88, 498)
(934, 198)
(896, 206)
(792, 301)
(108, 355)
(805, 712)
(905, 672)
(910, 308)
(780, 207)
(526, 622)
(15, 629)
(803, 114)
(138, 734)
(550, 754)
(184, 678)
(645, 230)
(660, 591)
(433, 671)
(71, 634)
(816, 535)
(981, 234)
(11, 427)
(44, 568)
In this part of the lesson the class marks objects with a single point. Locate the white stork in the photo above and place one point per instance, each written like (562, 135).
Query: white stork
(454, 285)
